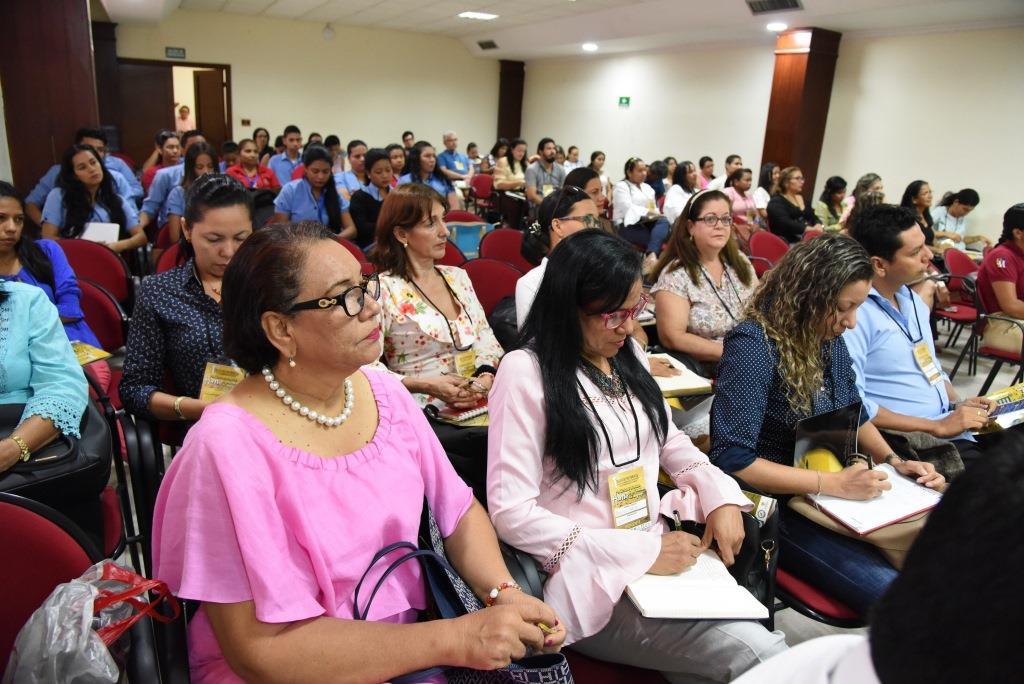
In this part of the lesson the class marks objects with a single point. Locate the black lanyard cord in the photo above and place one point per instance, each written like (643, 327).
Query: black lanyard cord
(607, 438)
(451, 331)
(725, 273)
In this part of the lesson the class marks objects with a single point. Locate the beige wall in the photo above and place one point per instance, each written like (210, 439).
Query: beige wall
(364, 83)
(684, 104)
(941, 107)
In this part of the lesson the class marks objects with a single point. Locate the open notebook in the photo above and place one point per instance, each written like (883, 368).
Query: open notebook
(101, 232)
(704, 591)
(684, 384)
(904, 500)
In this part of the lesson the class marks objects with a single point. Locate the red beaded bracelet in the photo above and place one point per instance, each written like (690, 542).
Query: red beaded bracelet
(492, 595)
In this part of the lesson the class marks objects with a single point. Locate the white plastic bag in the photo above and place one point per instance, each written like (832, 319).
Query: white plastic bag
(66, 639)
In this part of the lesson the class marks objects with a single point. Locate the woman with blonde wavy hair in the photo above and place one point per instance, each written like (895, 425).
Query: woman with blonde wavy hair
(787, 361)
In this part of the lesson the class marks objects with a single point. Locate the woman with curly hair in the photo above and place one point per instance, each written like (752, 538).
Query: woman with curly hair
(787, 361)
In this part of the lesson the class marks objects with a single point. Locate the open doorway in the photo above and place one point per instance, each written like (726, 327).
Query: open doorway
(149, 90)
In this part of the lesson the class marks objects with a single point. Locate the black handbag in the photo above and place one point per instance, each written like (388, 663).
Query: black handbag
(451, 598)
(67, 470)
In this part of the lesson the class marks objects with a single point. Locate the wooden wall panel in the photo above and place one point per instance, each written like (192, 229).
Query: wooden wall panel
(49, 85)
(805, 64)
(510, 100)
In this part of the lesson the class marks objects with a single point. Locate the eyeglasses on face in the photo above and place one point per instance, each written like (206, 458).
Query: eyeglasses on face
(613, 319)
(710, 220)
(588, 220)
(351, 300)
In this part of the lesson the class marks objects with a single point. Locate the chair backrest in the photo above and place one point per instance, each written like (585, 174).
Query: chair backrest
(504, 244)
(493, 280)
(810, 234)
(42, 549)
(352, 247)
(100, 264)
(458, 216)
(482, 185)
(958, 263)
(768, 246)
(103, 314)
(163, 237)
(126, 159)
(453, 256)
(171, 258)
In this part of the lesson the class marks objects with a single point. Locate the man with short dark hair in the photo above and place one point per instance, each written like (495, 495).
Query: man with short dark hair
(408, 140)
(284, 164)
(732, 163)
(893, 352)
(543, 176)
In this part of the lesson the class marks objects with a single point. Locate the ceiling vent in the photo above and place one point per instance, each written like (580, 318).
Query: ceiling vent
(487, 44)
(766, 6)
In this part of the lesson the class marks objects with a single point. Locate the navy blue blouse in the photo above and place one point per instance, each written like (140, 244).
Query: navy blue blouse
(176, 327)
(751, 416)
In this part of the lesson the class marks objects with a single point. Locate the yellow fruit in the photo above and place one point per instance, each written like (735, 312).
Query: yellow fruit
(821, 459)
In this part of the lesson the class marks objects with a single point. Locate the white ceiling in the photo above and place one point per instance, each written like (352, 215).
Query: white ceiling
(528, 29)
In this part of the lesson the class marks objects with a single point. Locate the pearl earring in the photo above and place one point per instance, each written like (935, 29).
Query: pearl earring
(291, 362)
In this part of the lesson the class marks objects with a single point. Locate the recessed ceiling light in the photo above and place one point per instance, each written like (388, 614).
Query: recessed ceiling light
(482, 16)
(776, 26)
(589, 47)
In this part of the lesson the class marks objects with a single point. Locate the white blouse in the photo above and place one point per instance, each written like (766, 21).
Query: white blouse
(632, 202)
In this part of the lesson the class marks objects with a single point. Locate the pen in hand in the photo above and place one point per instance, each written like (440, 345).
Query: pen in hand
(679, 522)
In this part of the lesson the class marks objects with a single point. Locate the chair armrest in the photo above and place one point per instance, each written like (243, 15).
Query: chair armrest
(752, 259)
(524, 569)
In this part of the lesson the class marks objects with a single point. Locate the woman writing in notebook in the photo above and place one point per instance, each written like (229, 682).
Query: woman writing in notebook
(787, 361)
(577, 425)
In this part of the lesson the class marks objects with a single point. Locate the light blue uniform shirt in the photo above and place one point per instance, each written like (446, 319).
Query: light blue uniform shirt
(296, 200)
(882, 350)
(49, 181)
(443, 186)
(176, 201)
(117, 164)
(164, 181)
(348, 180)
(39, 368)
(53, 212)
(283, 167)
(454, 161)
(943, 221)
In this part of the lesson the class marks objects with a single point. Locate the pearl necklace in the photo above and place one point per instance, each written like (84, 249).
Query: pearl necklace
(305, 411)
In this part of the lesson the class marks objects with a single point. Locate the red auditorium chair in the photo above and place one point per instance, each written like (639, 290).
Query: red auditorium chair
(359, 254)
(453, 256)
(493, 280)
(481, 192)
(100, 264)
(503, 244)
(765, 250)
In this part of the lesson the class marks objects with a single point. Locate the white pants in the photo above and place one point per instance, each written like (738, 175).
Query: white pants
(684, 651)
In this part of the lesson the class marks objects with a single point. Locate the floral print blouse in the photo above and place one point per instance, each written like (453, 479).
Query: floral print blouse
(417, 340)
(714, 311)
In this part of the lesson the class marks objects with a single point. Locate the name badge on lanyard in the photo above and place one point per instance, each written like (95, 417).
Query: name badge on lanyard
(548, 188)
(923, 357)
(219, 379)
(627, 490)
(465, 362)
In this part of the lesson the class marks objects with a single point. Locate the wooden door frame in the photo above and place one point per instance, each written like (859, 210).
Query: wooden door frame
(195, 65)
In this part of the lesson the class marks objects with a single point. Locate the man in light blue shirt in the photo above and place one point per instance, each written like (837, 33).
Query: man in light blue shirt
(893, 352)
(453, 164)
(155, 204)
(125, 182)
(285, 163)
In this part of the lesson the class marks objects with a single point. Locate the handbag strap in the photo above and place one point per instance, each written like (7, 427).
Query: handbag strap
(425, 557)
(137, 586)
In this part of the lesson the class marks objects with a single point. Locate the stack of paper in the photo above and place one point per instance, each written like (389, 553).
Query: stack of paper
(905, 500)
(704, 591)
(686, 383)
(101, 232)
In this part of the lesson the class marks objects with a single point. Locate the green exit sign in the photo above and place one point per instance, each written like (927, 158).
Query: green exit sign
(623, 101)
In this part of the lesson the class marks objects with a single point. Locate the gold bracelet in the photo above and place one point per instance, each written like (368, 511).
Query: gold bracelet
(26, 453)
(177, 407)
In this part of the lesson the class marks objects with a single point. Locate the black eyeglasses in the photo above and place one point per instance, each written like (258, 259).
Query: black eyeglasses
(351, 300)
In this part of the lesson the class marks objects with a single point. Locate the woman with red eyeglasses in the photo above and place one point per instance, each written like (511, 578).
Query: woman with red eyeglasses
(579, 432)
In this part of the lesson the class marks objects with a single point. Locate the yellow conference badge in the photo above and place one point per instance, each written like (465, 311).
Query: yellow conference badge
(628, 493)
(219, 379)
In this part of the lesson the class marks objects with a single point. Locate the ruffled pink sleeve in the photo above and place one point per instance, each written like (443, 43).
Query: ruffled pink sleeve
(218, 535)
(589, 566)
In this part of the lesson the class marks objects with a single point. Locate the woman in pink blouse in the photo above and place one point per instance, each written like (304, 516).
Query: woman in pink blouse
(289, 485)
(572, 410)
(745, 219)
(435, 331)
